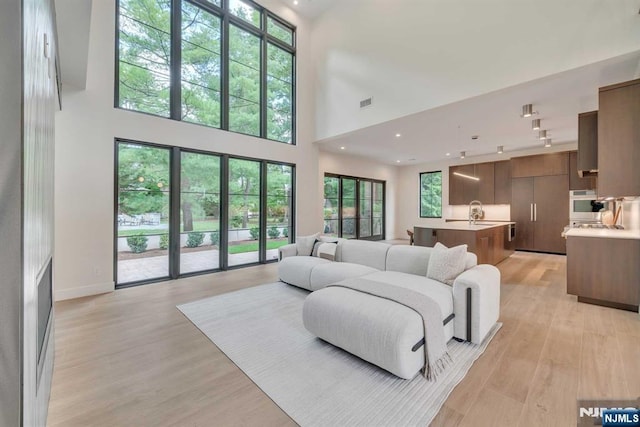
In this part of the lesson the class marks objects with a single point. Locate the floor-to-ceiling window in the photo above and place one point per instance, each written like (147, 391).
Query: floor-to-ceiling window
(181, 211)
(353, 207)
(225, 64)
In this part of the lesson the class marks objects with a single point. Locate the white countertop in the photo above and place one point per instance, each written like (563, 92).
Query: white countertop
(464, 225)
(603, 233)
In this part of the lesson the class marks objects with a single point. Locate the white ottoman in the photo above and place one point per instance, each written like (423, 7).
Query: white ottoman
(377, 330)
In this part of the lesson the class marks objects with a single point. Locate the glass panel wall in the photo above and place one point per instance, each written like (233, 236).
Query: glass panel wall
(244, 212)
(199, 212)
(142, 213)
(348, 202)
(244, 82)
(331, 206)
(353, 207)
(279, 208)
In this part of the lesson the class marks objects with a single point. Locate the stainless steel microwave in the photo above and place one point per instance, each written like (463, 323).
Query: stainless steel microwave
(584, 205)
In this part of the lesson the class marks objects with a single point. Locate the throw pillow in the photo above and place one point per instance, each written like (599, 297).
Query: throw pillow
(304, 244)
(445, 264)
(328, 251)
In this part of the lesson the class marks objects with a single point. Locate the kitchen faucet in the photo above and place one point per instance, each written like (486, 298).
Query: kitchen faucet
(475, 211)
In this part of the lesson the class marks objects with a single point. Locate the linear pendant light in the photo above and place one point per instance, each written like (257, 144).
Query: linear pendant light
(475, 178)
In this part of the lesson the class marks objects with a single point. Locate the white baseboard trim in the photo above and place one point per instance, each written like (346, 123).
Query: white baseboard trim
(84, 291)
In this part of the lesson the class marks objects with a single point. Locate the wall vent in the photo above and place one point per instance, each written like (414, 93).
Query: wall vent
(366, 102)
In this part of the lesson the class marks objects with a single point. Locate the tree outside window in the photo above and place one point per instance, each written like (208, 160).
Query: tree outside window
(431, 194)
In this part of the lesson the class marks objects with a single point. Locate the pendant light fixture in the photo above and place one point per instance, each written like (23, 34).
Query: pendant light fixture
(547, 143)
(527, 110)
(500, 149)
(463, 154)
(542, 135)
(535, 124)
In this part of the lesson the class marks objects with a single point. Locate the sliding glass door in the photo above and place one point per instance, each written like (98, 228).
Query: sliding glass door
(199, 212)
(353, 207)
(225, 212)
(142, 213)
(244, 212)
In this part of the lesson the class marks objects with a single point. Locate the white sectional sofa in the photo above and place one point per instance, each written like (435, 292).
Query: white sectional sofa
(378, 330)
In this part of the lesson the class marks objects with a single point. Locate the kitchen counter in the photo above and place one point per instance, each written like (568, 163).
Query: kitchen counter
(489, 240)
(464, 225)
(603, 233)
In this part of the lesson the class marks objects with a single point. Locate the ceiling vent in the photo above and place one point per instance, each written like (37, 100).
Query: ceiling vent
(366, 102)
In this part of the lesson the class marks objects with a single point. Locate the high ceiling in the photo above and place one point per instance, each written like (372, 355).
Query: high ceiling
(310, 8)
(495, 118)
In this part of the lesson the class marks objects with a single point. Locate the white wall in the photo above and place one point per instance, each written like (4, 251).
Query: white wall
(345, 164)
(85, 132)
(408, 184)
(412, 55)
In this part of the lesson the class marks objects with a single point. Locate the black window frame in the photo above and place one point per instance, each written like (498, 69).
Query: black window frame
(227, 19)
(420, 193)
(175, 153)
(357, 179)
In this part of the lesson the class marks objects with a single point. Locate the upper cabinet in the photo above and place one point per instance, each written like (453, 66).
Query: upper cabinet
(619, 140)
(577, 182)
(540, 165)
(587, 162)
(502, 182)
(471, 182)
(489, 182)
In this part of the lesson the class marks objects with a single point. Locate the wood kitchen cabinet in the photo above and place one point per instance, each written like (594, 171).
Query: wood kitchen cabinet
(463, 190)
(502, 182)
(540, 165)
(619, 140)
(587, 158)
(604, 271)
(540, 208)
(576, 182)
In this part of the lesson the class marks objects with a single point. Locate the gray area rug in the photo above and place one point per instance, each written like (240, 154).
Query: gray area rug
(260, 329)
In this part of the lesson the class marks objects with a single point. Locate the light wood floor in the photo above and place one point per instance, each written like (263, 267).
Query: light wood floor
(130, 358)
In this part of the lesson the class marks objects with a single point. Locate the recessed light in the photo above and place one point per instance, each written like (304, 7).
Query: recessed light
(295, 2)
(397, 161)
(398, 135)
(448, 154)
(342, 148)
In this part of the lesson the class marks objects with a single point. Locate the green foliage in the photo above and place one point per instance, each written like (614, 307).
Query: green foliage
(215, 238)
(285, 232)
(145, 56)
(236, 221)
(253, 246)
(194, 239)
(431, 194)
(164, 241)
(138, 243)
(254, 232)
(274, 232)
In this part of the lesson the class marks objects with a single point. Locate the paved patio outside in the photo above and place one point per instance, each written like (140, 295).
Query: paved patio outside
(133, 270)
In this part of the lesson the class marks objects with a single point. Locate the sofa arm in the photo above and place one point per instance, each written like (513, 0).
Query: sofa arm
(482, 285)
(287, 251)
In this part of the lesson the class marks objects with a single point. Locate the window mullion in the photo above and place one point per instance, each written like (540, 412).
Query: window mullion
(175, 92)
(224, 77)
(263, 79)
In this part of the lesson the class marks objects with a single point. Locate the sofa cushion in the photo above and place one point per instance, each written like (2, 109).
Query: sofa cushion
(409, 259)
(441, 293)
(304, 244)
(297, 270)
(445, 264)
(326, 274)
(363, 252)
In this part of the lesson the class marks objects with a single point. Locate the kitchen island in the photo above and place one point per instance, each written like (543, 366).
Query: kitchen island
(603, 267)
(490, 240)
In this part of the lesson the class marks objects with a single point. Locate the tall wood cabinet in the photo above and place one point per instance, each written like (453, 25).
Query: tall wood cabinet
(587, 158)
(619, 140)
(577, 182)
(540, 202)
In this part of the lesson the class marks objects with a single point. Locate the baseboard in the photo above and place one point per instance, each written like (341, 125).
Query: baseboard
(84, 291)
